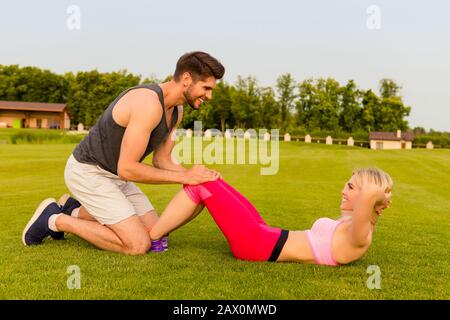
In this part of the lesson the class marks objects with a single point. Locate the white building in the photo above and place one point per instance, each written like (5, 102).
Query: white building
(391, 140)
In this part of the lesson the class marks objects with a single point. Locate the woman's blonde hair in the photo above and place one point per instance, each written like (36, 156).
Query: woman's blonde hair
(374, 175)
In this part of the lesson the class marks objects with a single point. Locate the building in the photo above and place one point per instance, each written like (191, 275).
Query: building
(391, 140)
(15, 114)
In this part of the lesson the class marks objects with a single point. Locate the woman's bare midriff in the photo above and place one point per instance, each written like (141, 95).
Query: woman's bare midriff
(297, 248)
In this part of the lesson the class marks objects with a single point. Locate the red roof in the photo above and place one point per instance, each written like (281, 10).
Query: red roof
(391, 136)
(32, 106)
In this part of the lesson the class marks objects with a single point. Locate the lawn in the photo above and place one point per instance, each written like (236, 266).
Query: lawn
(411, 243)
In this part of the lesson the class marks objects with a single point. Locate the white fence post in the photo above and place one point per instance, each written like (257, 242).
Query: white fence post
(350, 142)
(308, 138)
(287, 137)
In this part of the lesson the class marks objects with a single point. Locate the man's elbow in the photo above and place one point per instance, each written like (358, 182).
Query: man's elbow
(124, 173)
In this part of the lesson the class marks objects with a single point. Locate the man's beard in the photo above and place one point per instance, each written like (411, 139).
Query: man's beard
(188, 97)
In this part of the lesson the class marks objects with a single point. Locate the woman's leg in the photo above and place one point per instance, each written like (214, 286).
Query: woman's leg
(244, 200)
(249, 238)
(180, 210)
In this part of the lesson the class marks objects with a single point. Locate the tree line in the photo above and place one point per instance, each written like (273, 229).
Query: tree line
(313, 105)
(321, 106)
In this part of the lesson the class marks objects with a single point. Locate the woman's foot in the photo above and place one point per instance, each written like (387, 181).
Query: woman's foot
(165, 242)
(157, 246)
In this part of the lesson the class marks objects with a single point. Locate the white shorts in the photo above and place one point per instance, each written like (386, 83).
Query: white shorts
(103, 194)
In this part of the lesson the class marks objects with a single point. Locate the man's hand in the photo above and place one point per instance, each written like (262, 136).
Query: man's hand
(198, 174)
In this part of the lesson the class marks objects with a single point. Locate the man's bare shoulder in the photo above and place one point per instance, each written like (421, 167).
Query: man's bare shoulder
(141, 104)
(143, 96)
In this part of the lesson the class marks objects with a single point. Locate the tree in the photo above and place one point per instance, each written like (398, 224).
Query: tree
(392, 115)
(350, 113)
(31, 84)
(221, 103)
(318, 105)
(392, 111)
(328, 93)
(419, 131)
(388, 88)
(321, 104)
(91, 93)
(286, 96)
(189, 116)
(306, 104)
(245, 102)
(371, 104)
(269, 110)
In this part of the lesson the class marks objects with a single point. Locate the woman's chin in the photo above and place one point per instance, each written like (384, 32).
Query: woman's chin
(345, 206)
(346, 212)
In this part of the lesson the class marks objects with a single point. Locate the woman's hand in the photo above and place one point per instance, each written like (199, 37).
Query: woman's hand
(371, 198)
(381, 198)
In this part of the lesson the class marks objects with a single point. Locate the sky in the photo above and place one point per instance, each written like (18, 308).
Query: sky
(408, 41)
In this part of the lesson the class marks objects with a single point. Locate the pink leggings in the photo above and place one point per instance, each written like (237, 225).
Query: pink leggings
(249, 237)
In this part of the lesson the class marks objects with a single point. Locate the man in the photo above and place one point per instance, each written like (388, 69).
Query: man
(111, 212)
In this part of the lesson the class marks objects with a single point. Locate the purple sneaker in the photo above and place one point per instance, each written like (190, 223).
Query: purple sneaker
(157, 246)
(165, 242)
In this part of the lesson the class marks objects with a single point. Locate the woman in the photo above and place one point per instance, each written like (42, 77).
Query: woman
(328, 242)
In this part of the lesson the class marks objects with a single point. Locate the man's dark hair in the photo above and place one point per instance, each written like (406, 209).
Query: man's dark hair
(200, 65)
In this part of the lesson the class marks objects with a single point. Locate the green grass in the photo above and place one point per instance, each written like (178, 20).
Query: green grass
(38, 136)
(411, 243)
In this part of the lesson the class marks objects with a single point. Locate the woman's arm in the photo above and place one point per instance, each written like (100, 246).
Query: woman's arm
(370, 201)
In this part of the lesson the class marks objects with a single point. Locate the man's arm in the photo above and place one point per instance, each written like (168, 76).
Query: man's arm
(145, 114)
(162, 156)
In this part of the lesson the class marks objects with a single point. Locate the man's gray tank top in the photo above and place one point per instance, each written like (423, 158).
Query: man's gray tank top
(102, 145)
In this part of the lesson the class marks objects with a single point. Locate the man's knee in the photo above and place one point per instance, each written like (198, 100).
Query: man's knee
(138, 246)
(134, 236)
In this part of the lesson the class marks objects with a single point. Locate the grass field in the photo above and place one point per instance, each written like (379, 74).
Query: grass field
(411, 243)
